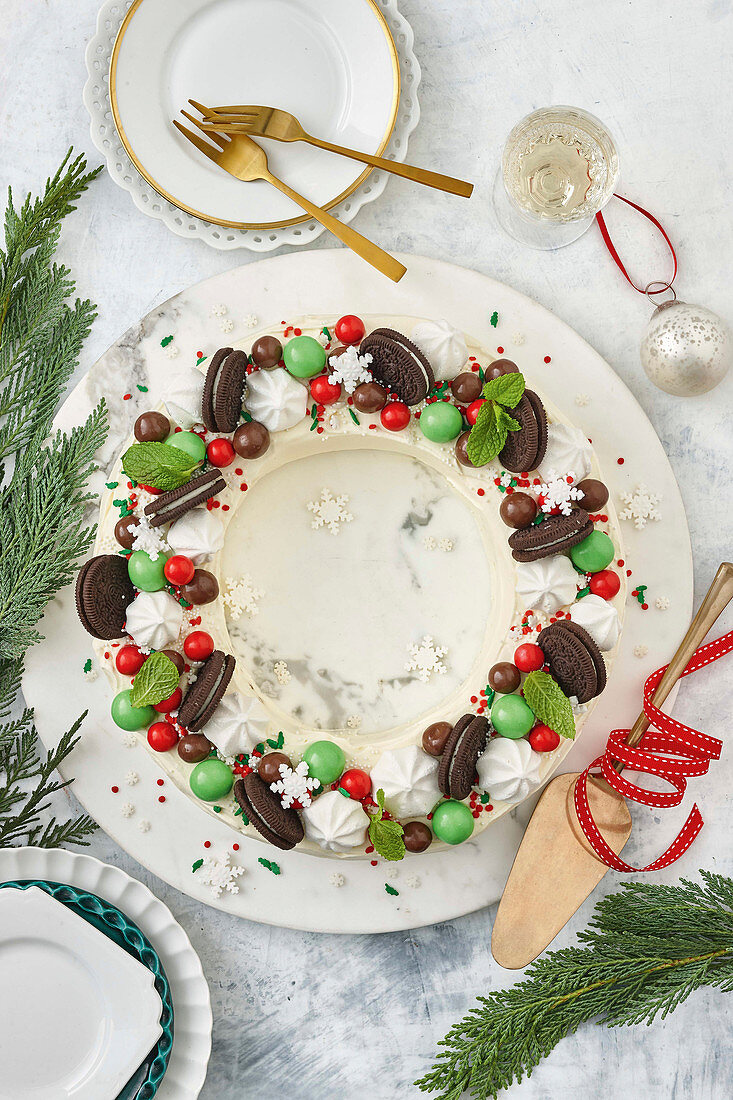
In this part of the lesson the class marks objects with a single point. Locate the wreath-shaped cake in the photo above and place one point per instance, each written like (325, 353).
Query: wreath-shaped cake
(354, 589)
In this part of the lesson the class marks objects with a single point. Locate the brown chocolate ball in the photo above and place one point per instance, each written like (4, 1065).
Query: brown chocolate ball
(595, 494)
(518, 510)
(266, 351)
(466, 387)
(123, 534)
(251, 440)
(504, 677)
(369, 397)
(435, 737)
(336, 353)
(460, 449)
(499, 367)
(177, 658)
(204, 588)
(194, 747)
(417, 836)
(152, 427)
(269, 766)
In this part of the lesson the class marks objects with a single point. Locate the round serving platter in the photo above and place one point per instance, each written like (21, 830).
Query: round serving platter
(317, 893)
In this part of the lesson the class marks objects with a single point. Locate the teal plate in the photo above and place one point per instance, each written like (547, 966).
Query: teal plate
(144, 1084)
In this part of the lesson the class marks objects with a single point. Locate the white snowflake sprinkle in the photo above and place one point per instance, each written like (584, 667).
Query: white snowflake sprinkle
(641, 650)
(350, 369)
(219, 310)
(241, 597)
(294, 786)
(425, 659)
(640, 507)
(581, 400)
(518, 339)
(353, 721)
(413, 881)
(250, 321)
(282, 672)
(662, 602)
(132, 778)
(219, 873)
(172, 351)
(143, 825)
(429, 542)
(128, 809)
(505, 480)
(129, 740)
(446, 545)
(322, 339)
(330, 511)
(91, 675)
(558, 493)
(227, 325)
(148, 538)
(336, 879)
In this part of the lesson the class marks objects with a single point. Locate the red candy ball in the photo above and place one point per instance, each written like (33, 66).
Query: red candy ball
(130, 660)
(357, 783)
(543, 739)
(179, 569)
(198, 646)
(173, 702)
(605, 584)
(220, 452)
(162, 736)
(528, 657)
(324, 391)
(395, 416)
(350, 329)
(473, 410)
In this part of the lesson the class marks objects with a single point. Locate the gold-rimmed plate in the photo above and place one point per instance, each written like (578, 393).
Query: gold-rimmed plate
(331, 62)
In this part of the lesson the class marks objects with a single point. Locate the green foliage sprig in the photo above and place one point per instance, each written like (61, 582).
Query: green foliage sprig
(493, 423)
(646, 949)
(385, 834)
(549, 702)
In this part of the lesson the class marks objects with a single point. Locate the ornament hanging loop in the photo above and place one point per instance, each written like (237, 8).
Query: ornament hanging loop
(619, 262)
(662, 287)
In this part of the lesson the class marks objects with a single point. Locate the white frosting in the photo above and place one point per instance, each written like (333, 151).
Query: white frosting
(600, 619)
(154, 620)
(238, 724)
(335, 822)
(444, 346)
(568, 452)
(198, 535)
(547, 584)
(509, 769)
(183, 394)
(275, 399)
(409, 779)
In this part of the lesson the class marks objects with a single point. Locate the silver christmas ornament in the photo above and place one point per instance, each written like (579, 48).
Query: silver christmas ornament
(686, 350)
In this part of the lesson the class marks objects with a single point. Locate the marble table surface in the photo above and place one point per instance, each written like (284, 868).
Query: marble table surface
(302, 1015)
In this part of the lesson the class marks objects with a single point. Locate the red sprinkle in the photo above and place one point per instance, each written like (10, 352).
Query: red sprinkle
(620, 461)
(235, 847)
(500, 351)
(481, 492)
(238, 471)
(160, 782)
(547, 359)
(127, 397)
(114, 790)
(161, 798)
(373, 862)
(207, 844)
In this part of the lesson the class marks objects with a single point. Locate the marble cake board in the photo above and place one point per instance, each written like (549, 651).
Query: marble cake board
(434, 886)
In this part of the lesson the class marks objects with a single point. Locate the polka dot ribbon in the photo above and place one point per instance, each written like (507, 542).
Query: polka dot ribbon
(671, 751)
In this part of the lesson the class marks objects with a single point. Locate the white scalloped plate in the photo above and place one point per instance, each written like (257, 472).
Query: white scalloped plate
(345, 67)
(186, 1071)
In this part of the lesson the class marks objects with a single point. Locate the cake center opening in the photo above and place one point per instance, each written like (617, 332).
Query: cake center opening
(370, 589)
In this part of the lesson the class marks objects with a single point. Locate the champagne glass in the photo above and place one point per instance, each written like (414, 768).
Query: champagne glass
(559, 167)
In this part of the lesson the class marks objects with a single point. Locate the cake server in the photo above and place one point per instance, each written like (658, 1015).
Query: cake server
(271, 122)
(555, 868)
(244, 158)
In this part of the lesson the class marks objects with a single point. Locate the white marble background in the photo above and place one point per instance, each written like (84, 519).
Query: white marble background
(301, 1016)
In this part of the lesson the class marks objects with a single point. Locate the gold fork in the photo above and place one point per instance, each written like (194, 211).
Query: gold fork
(243, 158)
(273, 123)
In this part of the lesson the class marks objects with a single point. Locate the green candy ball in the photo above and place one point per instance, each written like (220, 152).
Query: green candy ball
(146, 573)
(325, 761)
(211, 780)
(594, 553)
(189, 442)
(128, 717)
(441, 422)
(452, 821)
(511, 717)
(304, 357)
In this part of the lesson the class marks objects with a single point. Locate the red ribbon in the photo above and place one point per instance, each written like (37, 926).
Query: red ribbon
(619, 263)
(671, 751)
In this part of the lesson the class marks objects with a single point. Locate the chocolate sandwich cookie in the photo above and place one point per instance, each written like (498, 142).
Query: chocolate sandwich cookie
(207, 691)
(172, 505)
(104, 591)
(457, 768)
(221, 404)
(552, 536)
(399, 364)
(574, 659)
(265, 811)
(525, 448)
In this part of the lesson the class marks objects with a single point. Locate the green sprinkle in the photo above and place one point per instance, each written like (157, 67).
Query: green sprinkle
(245, 416)
(583, 592)
(490, 693)
(538, 519)
(166, 341)
(326, 333)
(391, 890)
(201, 360)
(88, 665)
(481, 375)
(277, 744)
(494, 319)
(269, 864)
(111, 484)
(485, 798)
(259, 748)
(120, 503)
(143, 389)
(197, 864)
(353, 415)
(343, 792)
(216, 809)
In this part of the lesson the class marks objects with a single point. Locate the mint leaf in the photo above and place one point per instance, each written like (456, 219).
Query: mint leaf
(486, 438)
(386, 836)
(505, 422)
(157, 680)
(158, 464)
(507, 389)
(549, 702)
